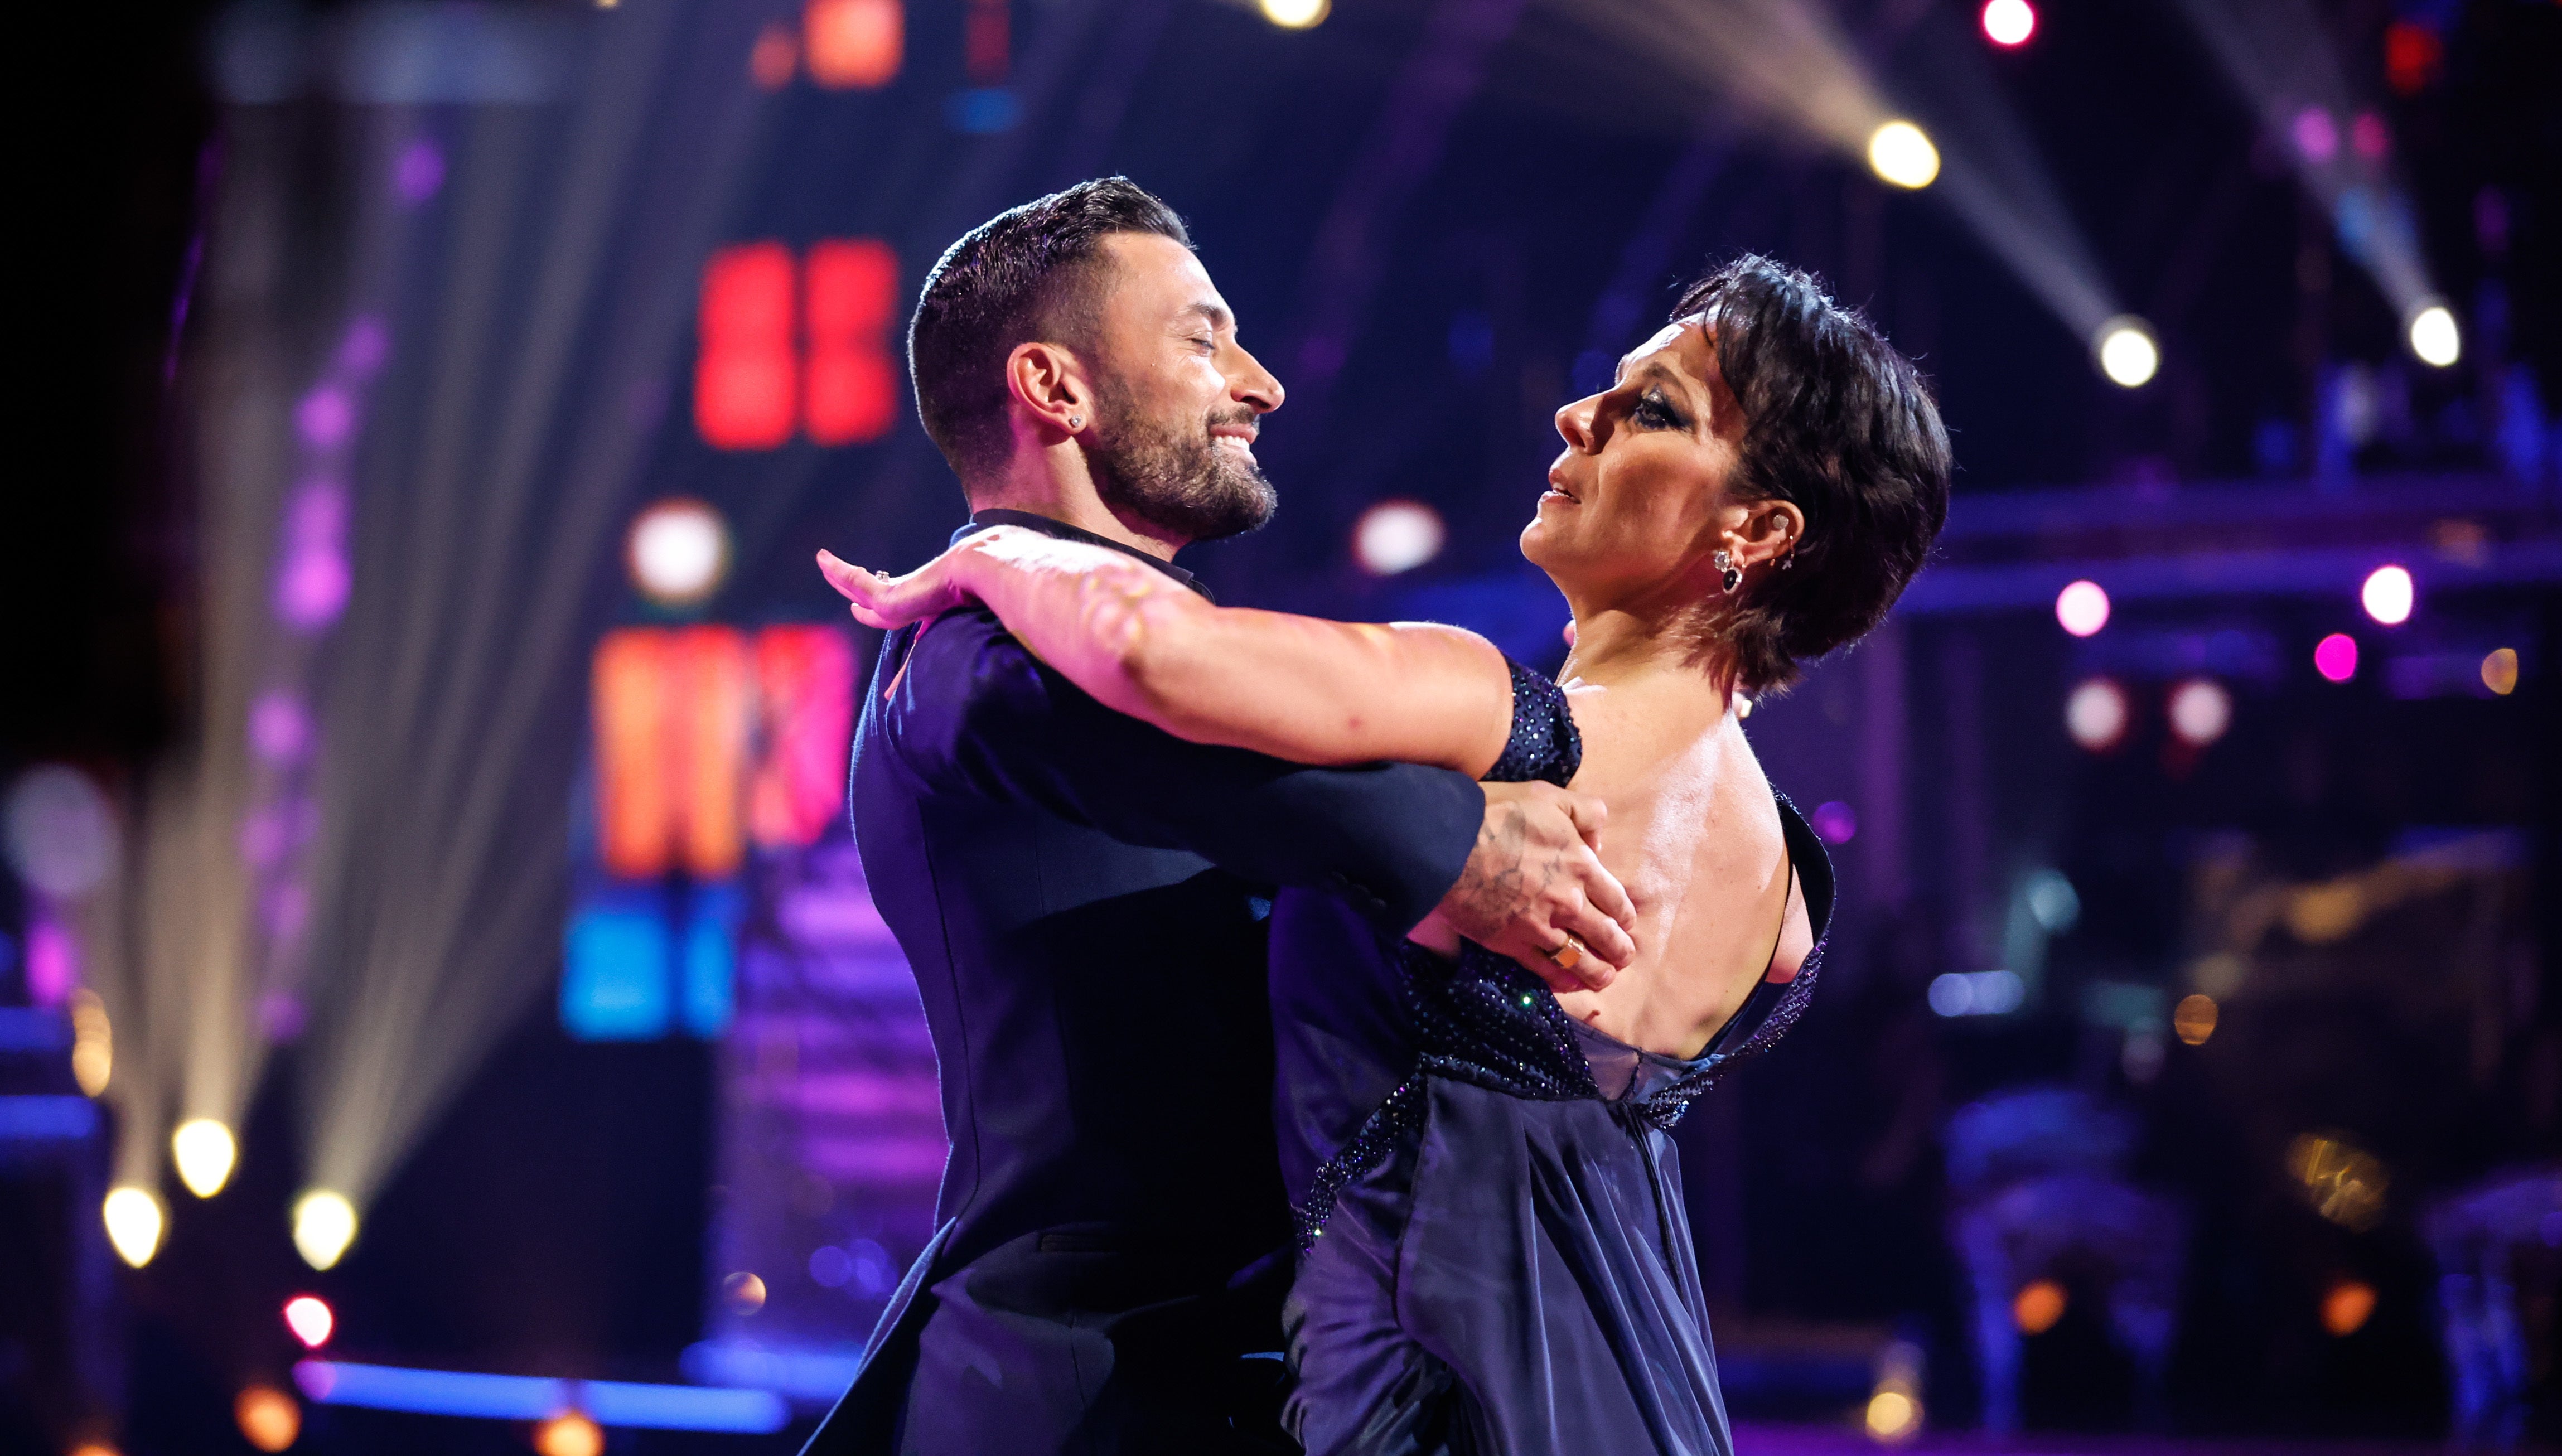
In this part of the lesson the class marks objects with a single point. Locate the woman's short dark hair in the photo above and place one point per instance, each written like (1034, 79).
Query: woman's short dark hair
(1842, 426)
(1035, 271)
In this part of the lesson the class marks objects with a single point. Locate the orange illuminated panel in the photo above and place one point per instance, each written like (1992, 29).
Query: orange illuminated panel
(746, 379)
(852, 376)
(634, 786)
(853, 45)
(805, 679)
(707, 692)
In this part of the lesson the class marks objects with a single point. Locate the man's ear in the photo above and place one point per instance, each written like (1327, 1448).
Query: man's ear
(1048, 383)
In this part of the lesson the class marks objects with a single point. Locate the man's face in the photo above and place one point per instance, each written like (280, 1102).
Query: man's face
(1178, 401)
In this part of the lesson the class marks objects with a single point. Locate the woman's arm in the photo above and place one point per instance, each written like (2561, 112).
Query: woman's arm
(1295, 687)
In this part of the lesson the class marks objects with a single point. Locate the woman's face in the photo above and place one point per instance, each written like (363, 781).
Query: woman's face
(1637, 502)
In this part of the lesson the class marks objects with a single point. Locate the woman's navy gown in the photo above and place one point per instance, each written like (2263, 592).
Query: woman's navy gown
(1493, 1256)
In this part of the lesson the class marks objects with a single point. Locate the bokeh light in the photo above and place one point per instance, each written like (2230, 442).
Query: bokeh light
(2038, 1306)
(745, 1292)
(2348, 1306)
(1893, 1415)
(310, 1320)
(1835, 822)
(2200, 711)
(269, 1419)
(569, 1434)
(2009, 22)
(2335, 657)
(2435, 337)
(853, 44)
(324, 1223)
(2082, 607)
(2193, 1019)
(2052, 901)
(133, 1223)
(2096, 714)
(2500, 670)
(1901, 153)
(204, 1152)
(2344, 1182)
(62, 836)
(1396, 536)
(92, 1038)
(679, 552)
(1296, 14)
(2388, 595)
(2127, 351)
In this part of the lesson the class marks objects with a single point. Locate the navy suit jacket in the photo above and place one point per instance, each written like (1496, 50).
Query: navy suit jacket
(1083, 899)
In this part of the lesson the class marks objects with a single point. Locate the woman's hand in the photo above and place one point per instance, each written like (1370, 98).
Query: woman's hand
(894, 602)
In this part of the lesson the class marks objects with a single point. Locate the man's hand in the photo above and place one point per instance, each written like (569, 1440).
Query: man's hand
(1534, 876)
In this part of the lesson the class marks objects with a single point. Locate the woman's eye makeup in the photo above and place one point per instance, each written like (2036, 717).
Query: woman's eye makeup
(1655, 412)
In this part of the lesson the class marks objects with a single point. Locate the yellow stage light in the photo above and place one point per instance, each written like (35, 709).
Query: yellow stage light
(2127, 351)
(1901, 154)
(324, 1223)
(1296, 14)
(269, 1419)
(2435, 337)
(204, 1152)
(133, 1223)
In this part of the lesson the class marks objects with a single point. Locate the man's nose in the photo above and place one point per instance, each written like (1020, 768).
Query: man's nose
(1252, 384)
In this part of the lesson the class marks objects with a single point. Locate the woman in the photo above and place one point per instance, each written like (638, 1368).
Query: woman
(1494, 1253)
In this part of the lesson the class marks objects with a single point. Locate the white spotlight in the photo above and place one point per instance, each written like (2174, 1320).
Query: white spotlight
(2200, 711)
(204, 1152)
(2082, 607)
(2127, 351)
(1901, 154)
(133, 1222)
(2435, 337)
(2009, 22)
(324, 1223)
(679, 552)
(2388, 595)
(2096, 714)
(1397, 535)
(1296, 14)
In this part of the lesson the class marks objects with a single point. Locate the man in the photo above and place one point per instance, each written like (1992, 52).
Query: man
(1083, 896)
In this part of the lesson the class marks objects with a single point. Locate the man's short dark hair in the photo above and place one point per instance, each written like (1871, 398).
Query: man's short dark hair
(1033, 273)
(1839, 423)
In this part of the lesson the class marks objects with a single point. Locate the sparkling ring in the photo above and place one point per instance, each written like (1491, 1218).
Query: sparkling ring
(1567, 956)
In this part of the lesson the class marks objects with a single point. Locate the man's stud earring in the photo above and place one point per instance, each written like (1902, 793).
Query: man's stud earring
(1728, 572)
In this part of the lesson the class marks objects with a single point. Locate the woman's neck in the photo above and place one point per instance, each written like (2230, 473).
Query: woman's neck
(1614, 646)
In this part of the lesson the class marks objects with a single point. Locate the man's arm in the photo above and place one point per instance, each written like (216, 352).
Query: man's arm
(1509, 864)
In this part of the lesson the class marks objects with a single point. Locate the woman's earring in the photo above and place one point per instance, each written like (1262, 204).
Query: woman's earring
(1076, 422)
(1728, 572)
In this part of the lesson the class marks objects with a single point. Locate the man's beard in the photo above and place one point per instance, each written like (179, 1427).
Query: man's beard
(1177, 481)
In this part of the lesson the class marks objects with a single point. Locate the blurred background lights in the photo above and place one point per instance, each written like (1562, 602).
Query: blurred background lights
(1398, 536)
(2434, 336)
(324, 1223)
(2009, 22)
(204, 1152)
(2096, 715)
(569, 1434)
(1894, 1410)
(744, 1292)
(93, 1448)
(853, 44)
(1977, 993)
(2082, 607)
(679, 552)
(2500, 670)
(93, 1040)
(2052, 901)
(2344, 1182)
(310, 1320)
(62, 835)
(1901, 153)
(2038, 1306)
(2348, 1306)
(1296, 14)
(2193, 1019)
(133, 1222)
(269, 1420)
(2388, 595)
(1893, 1415)
(2127, 351)
(2200, 711)
(1835, 822)
(2335, 657)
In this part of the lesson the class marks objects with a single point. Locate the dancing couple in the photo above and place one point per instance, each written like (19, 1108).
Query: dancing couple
(1309, 1039)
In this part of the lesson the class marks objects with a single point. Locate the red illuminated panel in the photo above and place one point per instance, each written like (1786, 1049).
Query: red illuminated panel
(853, 44)
(2412, 56)
(707, 689)
(805, 683)
(745, 381)
(985, 42)
(853, 378)
(634, 788)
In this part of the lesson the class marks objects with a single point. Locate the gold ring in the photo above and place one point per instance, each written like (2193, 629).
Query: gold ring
(1567, 956)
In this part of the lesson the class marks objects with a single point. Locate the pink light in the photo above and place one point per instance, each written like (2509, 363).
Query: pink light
(2389, 595)
(2009, 22)
(366, 346)
(420, 173)
(2082, 607)
(1835, 822)
(2317, 135)
(326, 417)
(53, 966)
(2335, 657)
(279, 728)
(2368, 136)
(310, 1320)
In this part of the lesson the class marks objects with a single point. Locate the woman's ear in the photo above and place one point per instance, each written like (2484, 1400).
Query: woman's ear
(1770, 533)
(1048, 384)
